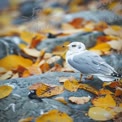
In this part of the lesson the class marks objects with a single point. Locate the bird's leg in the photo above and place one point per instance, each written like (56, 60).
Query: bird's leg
(80, 78)
(89, 77)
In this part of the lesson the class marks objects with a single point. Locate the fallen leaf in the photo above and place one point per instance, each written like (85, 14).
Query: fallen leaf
(89, 88)
(113, 31)
(26, 73)
(116, 44)
(5, 91)
(29, 119)
(53, 59)
(43, 86)
(2, 70)
(36, 40)
(15, 76)
(45, 67)
(114, 84)
(118, 92)
(105, 91)
(80, 100)
(71, 85)
(107, 38)
(61, 99)
(6, 75)
(50, 91)
(99, 114)
(104, 102)
(27, 36)
(77, 22)
(100, 26)
(103, 47)
(32, 52)
(54, 116)
(13, 61)
(34, 69)
(56, 67)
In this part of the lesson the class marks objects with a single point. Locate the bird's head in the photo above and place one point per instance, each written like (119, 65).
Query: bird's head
(76, 47)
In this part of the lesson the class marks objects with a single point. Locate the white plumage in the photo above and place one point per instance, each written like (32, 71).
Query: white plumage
(89, 63)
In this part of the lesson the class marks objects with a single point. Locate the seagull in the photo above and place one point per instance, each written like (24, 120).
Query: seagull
(89, 63)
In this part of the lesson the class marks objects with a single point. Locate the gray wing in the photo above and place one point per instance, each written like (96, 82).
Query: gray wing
(90, 63)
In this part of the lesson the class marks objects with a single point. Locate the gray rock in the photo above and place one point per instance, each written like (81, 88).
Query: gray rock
(25, 107)
(9, 45)
(98, 15)
(89, 39)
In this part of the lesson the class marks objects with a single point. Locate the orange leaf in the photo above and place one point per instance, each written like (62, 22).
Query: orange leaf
(89, 88)
(45, 67)
(54, 116)
(77, 22)
(71, 85)
(118, 92)
(104, 102)
(26, 73)
(13, 61)
(36, 40)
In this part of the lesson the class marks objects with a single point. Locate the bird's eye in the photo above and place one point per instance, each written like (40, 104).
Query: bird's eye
(73, 45)
(79, 47)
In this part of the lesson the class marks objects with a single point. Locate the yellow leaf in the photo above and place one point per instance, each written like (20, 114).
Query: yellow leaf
(13, 61)
(104, 102)
(5, 91)
(61, 99)
(54, 116)
(80, 100)
(103, 47)
(50, 91)
(27, 36)
(99, 114)
(29, 119)
(71, 85)
(104, 92)
(89, 88)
